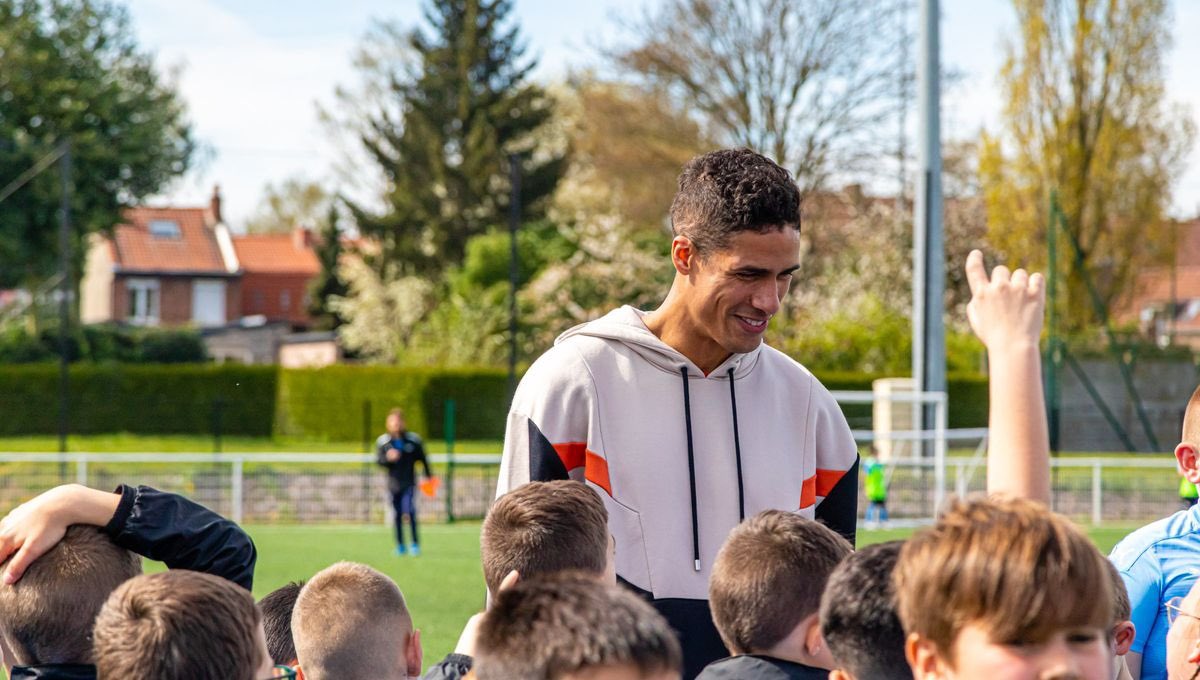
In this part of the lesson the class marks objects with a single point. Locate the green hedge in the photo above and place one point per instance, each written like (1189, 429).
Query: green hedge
(967, 395)
(337, 402)
(145, 399)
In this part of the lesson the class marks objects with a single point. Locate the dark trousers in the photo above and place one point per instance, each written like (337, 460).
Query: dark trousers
(404, 502)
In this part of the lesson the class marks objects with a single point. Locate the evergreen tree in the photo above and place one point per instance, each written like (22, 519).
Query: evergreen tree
(328, 282)
(458, 109)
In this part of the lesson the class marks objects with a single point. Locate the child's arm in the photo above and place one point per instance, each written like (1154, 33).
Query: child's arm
(1006, 314)
(151, 523)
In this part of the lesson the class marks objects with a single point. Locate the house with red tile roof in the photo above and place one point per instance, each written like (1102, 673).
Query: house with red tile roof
(163, 267)
(276, 272)
(183, 266)
(1165, 301)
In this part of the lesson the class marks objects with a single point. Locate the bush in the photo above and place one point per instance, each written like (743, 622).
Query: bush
(345, 403)
(105, 343)
(182, 399)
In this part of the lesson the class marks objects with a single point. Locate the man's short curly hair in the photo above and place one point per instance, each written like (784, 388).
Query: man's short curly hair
(732, 190)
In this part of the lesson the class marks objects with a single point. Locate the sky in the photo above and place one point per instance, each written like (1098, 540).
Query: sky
(254, 73)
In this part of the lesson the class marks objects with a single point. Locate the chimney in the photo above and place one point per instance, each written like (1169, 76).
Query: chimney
(302, 238)
(214, 203)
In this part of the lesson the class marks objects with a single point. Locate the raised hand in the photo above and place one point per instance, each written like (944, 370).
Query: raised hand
(36, 526)
(1007, 308)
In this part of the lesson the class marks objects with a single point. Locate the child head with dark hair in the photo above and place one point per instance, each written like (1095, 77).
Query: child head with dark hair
(47, 616)
(859, 619)
(545, 527)
(566, 626)
(277, 609)
(765, 592)
(1004, 586)
(181, 624)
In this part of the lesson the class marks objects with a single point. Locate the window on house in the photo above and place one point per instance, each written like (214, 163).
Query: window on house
(285, 300)
(143, 301)
(164, 228)
(257, 301)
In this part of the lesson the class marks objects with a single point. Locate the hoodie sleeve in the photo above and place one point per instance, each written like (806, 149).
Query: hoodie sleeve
(548, 423)
(835, 486)
(182, 534)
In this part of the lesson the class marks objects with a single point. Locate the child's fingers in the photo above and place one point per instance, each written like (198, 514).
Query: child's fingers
(976, 273)
(18, 564)
(1037, 285)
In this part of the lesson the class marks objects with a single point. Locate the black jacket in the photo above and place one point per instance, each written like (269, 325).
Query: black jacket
(756, 667)
(182, 534)
(402, 473)
(453, 667)
(55, 671)
(176, 531)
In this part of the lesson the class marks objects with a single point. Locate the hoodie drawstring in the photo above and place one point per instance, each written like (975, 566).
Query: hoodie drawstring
(737, 450)
(687, 413)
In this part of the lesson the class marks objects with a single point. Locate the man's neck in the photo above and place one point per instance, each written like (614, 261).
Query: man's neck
(673, 324)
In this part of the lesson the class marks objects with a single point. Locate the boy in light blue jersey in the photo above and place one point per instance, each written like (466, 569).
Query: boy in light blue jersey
(1161, 561)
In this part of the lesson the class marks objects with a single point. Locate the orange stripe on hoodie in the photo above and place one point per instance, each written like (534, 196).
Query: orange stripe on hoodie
(819, 484)
(595, 468)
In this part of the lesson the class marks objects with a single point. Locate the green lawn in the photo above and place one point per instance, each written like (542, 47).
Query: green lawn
(444, 586)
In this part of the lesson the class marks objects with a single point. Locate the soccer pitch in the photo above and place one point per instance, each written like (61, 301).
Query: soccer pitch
(444, 586)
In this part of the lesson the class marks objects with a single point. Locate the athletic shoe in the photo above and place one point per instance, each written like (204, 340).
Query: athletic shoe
(400, 551)
(414, 550)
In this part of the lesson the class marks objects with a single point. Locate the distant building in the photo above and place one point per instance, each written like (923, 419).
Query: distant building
(1165, 301)
(183, 266)
(163, 267)
(276, 272)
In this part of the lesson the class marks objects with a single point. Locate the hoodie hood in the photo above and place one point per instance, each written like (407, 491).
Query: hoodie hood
(625, 325)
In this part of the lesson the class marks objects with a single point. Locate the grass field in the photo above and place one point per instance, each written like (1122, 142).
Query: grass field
(443, 586)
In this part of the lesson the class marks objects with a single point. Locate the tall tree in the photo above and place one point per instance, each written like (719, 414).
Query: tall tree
(328, 282)
(1086, 114)
(71, 69)
(464, 104)
(808, 82)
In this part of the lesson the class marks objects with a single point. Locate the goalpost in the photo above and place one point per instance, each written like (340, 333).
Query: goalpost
(938, 435)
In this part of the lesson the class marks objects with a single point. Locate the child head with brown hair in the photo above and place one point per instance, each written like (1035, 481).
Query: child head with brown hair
(545, 527)
(766, 585)
(1001, 586)
(567, 626)
(179, 625)
(351, 621)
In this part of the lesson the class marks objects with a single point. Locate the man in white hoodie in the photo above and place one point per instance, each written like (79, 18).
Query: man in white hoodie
(682, 417)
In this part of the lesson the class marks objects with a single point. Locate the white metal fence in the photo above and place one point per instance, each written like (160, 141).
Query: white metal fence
(323, 487)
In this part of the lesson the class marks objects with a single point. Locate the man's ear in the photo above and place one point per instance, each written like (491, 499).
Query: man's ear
(413, 654)
(683, 254)
(923, 657)
(839, 674)
(1123, 634)
(299, 672)
(1188, 461)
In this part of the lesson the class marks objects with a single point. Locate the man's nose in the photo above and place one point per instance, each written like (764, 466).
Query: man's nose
(766, 298)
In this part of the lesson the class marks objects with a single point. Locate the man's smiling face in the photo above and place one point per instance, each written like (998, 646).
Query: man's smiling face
(734, 291)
